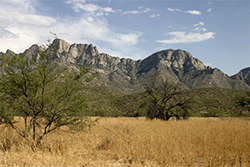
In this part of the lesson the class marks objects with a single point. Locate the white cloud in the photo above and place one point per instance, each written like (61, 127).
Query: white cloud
(36, 20)
(199, 27)
(19, 4)
(6, 34)
(197, 34)
(204, 29)
(22, 27)
(79, 5)
(90, 19)
(155, 15)
(184, 37)
(21, 12)
(75, 1)
(174, 10)
(140, 10)
(92, 8)
(209, 10)
(95, 29)
(199, 24)
(82, 5)
(193, 12)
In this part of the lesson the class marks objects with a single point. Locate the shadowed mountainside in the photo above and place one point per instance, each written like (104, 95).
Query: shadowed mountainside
(243, 75)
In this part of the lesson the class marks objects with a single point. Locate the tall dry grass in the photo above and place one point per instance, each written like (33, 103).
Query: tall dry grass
(136, 142)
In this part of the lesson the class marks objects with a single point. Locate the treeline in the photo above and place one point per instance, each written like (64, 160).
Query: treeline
(204, 102)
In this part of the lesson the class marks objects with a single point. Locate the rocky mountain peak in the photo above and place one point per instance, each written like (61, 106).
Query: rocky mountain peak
(61, 45)
(178, 60)
(185, 60)
(32, 52)
(243, 75)
(80, 51)
(74, 53)
(9, 52)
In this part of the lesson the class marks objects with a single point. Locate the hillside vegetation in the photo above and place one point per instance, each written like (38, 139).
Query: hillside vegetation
(207, 102)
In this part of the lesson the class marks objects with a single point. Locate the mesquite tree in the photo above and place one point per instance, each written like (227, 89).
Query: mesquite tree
(47, 95)
(167, 100)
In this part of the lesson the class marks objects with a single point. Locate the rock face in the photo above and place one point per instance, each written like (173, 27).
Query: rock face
(181, 66)
(128, 75)
(243, 75)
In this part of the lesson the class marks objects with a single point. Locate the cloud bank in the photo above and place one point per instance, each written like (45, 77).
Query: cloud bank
(198, 33)
(22, 26)
(192, 12)
(184, 37)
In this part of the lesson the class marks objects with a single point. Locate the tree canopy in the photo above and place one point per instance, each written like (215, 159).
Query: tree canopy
(167, 100)
(45, 94)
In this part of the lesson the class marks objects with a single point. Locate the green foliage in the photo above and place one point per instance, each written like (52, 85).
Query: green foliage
(101, 101)
(216, 102)
(243, 104)
(204, 102)
(133, 105)
(45, 94)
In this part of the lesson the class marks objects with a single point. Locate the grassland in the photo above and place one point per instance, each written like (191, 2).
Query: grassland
(137, 142)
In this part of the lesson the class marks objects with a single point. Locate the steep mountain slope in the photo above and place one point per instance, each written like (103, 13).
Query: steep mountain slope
(128, 75)
(180, 66)
(243, 75)
(168, 64)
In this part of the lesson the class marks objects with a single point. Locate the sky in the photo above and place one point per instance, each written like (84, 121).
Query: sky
(217, 32)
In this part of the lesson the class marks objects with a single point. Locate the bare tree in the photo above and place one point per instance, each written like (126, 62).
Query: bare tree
(167, 100)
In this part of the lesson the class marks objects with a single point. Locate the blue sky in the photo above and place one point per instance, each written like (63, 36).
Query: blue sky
(217, 32)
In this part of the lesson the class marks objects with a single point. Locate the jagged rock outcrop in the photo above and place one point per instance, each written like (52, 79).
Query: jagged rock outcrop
(243, 75)
(128, 75)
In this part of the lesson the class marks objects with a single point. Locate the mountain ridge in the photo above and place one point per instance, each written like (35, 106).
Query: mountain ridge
(129, 75)
(243, 75)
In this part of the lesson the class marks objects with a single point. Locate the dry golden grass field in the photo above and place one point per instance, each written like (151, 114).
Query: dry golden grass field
(135, 142)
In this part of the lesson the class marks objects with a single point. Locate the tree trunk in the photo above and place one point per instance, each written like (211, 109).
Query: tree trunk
(34, 128)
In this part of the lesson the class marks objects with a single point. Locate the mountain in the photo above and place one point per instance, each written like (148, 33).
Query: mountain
(181, 66)
(128, 75)
(243, 75)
